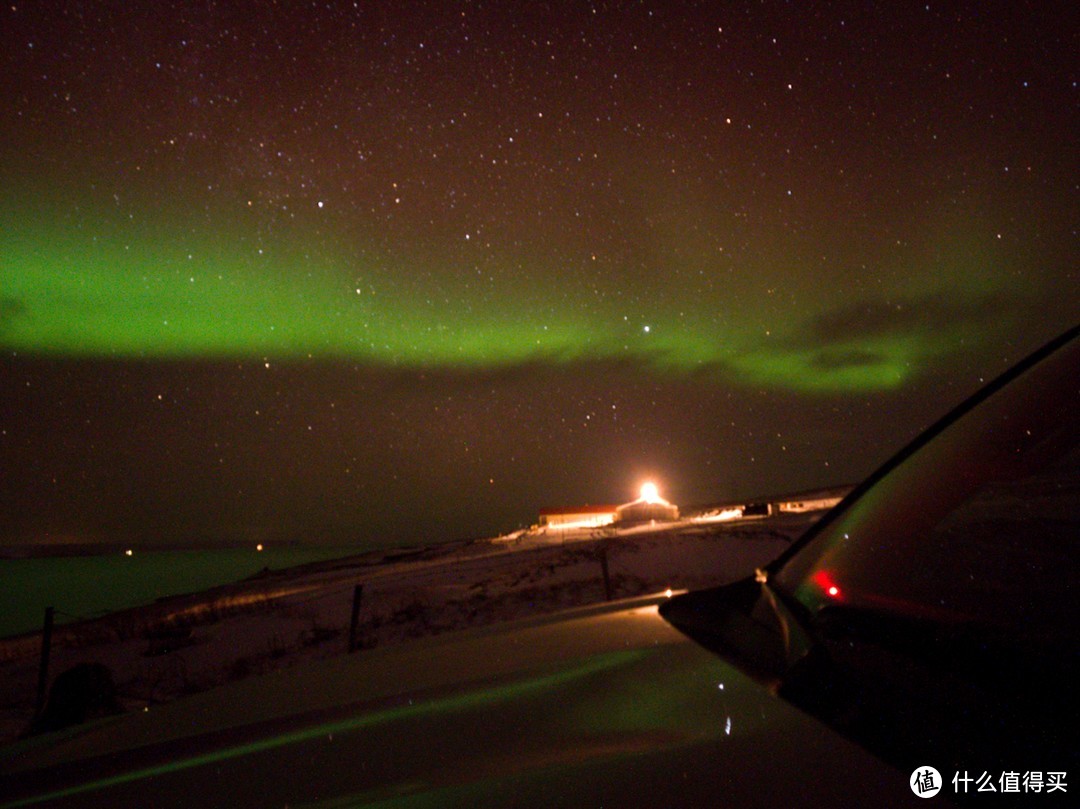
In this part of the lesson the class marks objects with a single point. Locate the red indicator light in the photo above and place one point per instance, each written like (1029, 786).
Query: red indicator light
(825, 581)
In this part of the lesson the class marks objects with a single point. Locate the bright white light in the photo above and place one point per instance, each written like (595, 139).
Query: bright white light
(259, 547)
(668, 592)
(649, 493)
(128, 552)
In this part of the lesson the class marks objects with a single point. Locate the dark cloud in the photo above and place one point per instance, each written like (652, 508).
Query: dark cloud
(836, 360)
(11, 308)
(889, 317)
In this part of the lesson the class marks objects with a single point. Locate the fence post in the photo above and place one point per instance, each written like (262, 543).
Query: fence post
(43, 669)
(604, 570)
(354, 621)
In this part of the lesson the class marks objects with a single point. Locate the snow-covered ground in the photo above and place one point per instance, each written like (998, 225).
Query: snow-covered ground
(191, 643)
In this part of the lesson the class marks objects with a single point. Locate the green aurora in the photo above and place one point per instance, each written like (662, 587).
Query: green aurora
(153, 295)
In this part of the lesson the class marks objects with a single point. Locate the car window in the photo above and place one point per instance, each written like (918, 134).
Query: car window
(978, 526)
(1009, 538)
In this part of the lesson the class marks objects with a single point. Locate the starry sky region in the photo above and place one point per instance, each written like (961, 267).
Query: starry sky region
(405, 272)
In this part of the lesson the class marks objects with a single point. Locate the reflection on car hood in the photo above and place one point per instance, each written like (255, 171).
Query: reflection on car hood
(604, 706)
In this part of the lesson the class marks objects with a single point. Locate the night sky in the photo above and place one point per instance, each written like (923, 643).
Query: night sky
(402, 272)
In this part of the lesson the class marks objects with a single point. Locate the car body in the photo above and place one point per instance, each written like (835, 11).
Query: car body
(608, 706)
(825, 679)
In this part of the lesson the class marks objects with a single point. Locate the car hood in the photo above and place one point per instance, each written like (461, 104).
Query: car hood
(605, 706)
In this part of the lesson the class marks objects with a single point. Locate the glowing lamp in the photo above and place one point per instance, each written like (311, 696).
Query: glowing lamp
(649, 493)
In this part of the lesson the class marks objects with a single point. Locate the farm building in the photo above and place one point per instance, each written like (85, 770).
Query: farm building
(649, 507)
(815, 500)
(578, 516)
